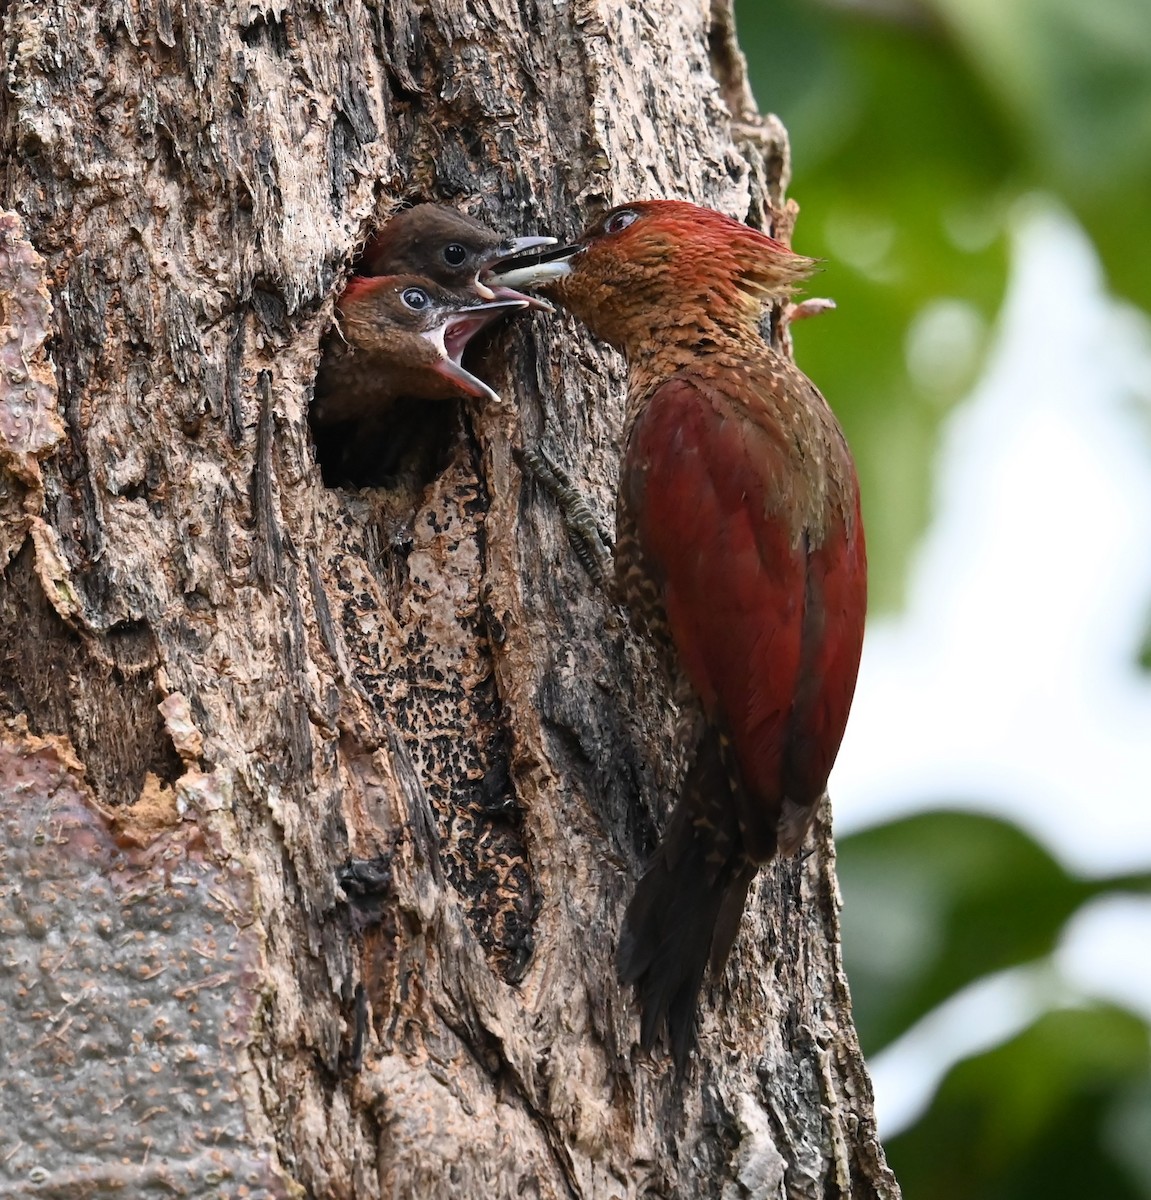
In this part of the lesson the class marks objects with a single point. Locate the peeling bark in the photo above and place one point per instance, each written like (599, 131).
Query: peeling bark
(346, 791)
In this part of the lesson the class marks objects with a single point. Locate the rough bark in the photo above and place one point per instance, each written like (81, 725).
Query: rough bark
(321, 808)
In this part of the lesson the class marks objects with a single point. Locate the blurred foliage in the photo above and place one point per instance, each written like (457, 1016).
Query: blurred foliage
(936, 901)
(1063, 1112)
(916, 126)
(1073, 84)
(899, 167)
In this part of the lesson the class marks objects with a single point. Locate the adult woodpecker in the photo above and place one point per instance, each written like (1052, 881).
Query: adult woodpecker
(739, 550)
(398, 349)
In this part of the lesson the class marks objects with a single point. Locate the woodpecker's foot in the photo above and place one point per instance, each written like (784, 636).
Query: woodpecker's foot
(592, 546)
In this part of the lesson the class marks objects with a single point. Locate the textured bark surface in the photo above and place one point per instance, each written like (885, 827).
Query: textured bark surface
(321, 808)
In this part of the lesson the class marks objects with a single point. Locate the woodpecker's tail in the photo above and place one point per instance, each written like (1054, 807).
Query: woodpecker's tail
(686, 909)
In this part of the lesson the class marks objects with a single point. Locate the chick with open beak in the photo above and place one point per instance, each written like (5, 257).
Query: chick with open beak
(402, 335)
(448, 248)
(390, 372)
(421, 293)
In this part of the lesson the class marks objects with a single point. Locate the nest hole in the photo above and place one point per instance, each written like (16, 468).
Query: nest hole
(403, 446)
(406, 446)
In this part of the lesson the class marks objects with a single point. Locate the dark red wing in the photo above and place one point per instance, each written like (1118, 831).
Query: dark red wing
(834, 613)
(767, 620)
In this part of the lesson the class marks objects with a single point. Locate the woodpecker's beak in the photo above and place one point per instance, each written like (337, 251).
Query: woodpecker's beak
(451, 338)
(535, 270)
(489, 281)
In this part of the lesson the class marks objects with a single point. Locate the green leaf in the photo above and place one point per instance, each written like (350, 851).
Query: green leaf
(1073, 84)
(1060, 1112)
(936, 901)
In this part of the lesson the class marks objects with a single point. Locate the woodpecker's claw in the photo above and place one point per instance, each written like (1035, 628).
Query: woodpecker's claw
(812, 307)
(592, 546)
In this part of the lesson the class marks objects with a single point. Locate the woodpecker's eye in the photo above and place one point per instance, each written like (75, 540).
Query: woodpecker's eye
(619, 221)
(416, 298)
(454, 254)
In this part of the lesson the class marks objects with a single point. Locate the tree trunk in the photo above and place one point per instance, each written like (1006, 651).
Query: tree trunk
(321, 807)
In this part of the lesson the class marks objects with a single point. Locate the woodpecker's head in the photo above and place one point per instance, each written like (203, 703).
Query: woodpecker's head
(407, 323)
(449, 248)
(659, 270)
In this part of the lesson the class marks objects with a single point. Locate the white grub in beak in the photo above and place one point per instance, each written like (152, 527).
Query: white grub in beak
(546, 268)
(514, 247)
(490, 283)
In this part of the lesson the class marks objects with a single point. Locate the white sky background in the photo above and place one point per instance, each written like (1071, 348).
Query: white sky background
(1009, 684)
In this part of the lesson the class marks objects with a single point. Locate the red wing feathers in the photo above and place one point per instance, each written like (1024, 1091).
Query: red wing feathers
(746, 596)
(833, 636)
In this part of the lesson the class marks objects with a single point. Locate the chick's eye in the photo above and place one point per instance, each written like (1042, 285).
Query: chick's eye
(416, 298)
(619, 221)
(454, 254)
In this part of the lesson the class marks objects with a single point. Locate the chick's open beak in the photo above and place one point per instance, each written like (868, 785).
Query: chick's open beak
(489, 282)
(452, 335)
